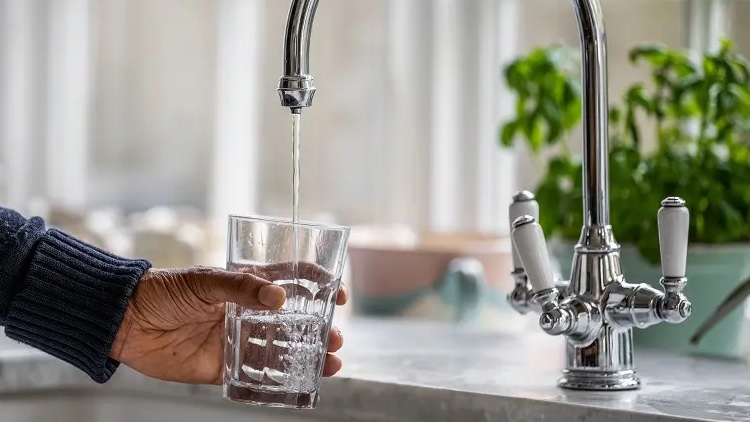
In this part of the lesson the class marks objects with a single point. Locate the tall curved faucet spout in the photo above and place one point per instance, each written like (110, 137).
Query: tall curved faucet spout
(296, 91)
(595, 112)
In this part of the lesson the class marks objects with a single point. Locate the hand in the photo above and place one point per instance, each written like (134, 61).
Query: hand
(173, 326)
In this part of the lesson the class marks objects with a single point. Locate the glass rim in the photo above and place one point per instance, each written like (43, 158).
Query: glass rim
(288, 222)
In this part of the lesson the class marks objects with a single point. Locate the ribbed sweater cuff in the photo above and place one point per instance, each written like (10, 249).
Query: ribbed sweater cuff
(73, 301)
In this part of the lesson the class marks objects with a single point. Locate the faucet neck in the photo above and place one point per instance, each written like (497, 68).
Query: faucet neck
(595, 113)
(297, 37)
(296, 91)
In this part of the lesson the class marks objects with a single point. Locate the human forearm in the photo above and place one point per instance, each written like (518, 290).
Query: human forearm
(61, 295)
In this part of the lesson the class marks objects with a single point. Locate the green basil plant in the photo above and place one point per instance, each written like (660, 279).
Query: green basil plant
(696, 115)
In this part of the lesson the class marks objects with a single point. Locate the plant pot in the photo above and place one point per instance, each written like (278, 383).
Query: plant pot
(713, 272)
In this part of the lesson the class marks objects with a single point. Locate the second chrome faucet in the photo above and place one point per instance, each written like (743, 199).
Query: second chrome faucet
(597, 309)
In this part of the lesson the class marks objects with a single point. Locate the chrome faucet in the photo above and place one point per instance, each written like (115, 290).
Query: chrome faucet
(597, 310)
(296, 89)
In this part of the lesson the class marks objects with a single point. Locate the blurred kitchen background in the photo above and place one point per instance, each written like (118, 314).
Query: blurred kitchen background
(140, 124)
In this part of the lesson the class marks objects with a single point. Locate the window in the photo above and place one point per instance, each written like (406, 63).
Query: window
(139, 103)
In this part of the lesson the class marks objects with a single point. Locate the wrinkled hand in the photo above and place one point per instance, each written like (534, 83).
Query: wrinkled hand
(174, 322)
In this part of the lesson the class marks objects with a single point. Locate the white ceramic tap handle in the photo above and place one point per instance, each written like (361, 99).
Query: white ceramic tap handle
(674, 223)
(523, 204)
(532, 249)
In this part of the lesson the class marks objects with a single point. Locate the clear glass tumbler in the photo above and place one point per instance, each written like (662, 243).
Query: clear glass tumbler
(276, 358)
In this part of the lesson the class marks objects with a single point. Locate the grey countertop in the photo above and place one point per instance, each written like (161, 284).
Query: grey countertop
(413, 371)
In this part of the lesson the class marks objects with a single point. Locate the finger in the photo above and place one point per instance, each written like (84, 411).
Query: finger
(335, 340)
(332, 365)
(255, 270)
(216, 286)
(343, 296)
(306, 270)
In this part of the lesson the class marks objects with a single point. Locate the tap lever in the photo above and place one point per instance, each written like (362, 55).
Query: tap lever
(522, 296)
(523, 203)
(528, 238)
(674, 222)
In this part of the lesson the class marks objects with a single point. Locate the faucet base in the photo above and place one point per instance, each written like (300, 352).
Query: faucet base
(599, 381)
(604, 365)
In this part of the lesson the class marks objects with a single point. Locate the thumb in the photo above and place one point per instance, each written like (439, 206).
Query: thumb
(244, 289)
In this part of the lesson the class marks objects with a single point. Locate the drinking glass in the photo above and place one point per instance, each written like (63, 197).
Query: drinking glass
(275, 358)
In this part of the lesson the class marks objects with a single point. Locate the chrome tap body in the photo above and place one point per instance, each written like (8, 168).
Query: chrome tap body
(597, 310)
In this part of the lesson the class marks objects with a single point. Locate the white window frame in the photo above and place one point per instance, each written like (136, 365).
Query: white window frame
(705, 23)
(17, 82)
(450, 53)
(45, 111)
(70, 76)
(235, 183)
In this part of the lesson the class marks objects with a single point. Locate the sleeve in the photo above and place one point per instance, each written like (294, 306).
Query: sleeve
(61, 295)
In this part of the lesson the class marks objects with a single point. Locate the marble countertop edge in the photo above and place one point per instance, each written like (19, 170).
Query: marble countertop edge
(399, 371)
(29, 371)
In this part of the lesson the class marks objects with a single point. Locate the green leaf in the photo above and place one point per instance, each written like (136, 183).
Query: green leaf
(635, 97)
(654, 53)
(742, 70)
(508, 133)
(547, 99)
(708, 167)
(615, 115)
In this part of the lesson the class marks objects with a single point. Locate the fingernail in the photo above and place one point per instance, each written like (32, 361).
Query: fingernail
(272, 296)
(341, 337)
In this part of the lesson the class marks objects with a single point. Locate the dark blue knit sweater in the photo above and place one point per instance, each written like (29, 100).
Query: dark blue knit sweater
(62, 296)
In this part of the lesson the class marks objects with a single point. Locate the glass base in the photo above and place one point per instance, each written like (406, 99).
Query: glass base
(289, 400)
